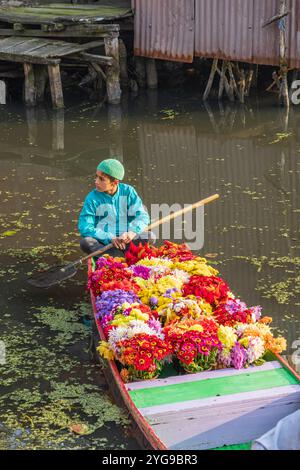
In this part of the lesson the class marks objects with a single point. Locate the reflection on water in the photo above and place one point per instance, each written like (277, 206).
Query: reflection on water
(172, 154)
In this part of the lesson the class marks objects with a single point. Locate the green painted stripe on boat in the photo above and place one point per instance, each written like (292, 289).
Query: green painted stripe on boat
(245, 446)
(176, 393)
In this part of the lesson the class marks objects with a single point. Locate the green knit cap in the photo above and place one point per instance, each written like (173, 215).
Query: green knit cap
(112, 168)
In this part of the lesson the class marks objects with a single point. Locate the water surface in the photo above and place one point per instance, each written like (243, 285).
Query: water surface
(175, 150)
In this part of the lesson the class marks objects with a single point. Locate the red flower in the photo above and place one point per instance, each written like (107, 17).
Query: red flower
(210, 288)
(137, 252)
(227, 318)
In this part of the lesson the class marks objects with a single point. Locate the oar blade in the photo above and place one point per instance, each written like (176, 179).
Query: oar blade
(52, 276)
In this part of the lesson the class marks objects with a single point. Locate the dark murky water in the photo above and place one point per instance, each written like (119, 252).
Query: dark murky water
(172, 154)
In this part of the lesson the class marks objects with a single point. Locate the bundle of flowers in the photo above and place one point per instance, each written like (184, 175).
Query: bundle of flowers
(210, 288)
(195, 343)
(182, 307)
(137, 252)
(178, 300)
(110, 275)
(162, 289)
(139, 346)
(197, 266)
(175, 252)
(107, 302)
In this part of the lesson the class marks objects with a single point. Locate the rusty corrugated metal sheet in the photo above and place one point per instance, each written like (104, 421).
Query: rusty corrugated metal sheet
(228, 29)
(232, 29)
(164, 29)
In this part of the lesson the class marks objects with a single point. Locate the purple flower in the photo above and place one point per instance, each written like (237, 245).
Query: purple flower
(169, 292)
(155, 325)
(141, 271)
(153, 301)
(110, 299)
(238, 356)
(108, 263)
(224, 358)
(235, 305)
(256, 311)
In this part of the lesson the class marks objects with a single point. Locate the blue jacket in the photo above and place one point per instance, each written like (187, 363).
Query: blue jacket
(104, 217)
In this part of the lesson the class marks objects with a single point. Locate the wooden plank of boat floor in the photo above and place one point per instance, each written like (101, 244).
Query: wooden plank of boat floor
(226, 420)
(218, 386)
(217, 408)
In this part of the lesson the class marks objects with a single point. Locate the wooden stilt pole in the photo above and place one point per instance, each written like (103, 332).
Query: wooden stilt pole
(30, 91)
(41, 78)
(249, 79)
(113, 71)
(56, 86)
(151, 73)
(222, 80)
(242, 85)
(211, 79)
(233, 84)
(284, 89)
(123, 64)
(140, 70)
(3, 92)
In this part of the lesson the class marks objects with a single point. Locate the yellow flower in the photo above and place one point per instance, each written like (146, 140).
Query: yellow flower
(227, 336)
(197, 266)
(105, 351)
(125, 305)
(138, 315)
(244, 342)
(196, 328)
(121, 320)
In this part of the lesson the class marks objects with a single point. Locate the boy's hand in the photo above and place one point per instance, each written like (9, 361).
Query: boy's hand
(118, 243)
(127, 236)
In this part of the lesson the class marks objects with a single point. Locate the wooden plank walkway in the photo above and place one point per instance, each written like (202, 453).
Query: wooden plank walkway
(50, 52)
(63, 13)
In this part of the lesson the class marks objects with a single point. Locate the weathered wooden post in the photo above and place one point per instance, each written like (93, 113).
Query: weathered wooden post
(41, 77)
(151, 73)
(123, 64)
(3, 92)
(211, 79)
(284, 89)
(56, 86)
(30, 91)
(113, 71)
(140, 70)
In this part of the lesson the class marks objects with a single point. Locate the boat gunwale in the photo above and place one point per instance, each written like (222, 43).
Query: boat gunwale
(139, 419)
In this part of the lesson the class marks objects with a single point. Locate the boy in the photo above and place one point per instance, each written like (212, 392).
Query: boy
(112, 212)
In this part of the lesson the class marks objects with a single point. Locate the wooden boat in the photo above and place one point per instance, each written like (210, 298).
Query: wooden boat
(225, 408)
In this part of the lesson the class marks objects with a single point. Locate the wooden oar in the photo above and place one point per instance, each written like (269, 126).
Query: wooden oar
(57, 274)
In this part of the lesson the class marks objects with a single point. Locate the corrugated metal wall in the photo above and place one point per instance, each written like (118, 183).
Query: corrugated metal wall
(164, 29)
(227, 29)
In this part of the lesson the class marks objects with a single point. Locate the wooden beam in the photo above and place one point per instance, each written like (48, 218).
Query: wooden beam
(30, 91)
(98, 59)
(71, 31)
(27, 58)
(276, 18)
(56, 86)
